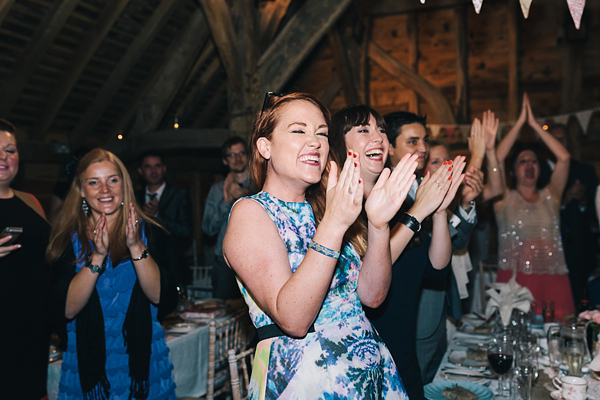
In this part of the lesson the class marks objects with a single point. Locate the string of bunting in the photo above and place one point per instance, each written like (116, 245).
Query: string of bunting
(575, 8)
(458, 133)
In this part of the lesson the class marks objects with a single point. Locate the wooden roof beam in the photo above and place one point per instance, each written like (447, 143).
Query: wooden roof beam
(387, 7)
(33, 54)
(207, 76)
(221, 26)
(5, 6)
(295, 41)
(163, 89)
(409, 78)
(344, 67)
(84, 52)
(112, 84)
(271, 14)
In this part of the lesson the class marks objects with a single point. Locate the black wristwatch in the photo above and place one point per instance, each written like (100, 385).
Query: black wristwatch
(411, 222)
(96, 269)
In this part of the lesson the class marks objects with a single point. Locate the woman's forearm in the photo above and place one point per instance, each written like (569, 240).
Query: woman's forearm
(440, 250)
(376, 269)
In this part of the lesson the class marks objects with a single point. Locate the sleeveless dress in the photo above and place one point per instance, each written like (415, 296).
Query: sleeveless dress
(344, 357)
(114, 288)
(530, 243)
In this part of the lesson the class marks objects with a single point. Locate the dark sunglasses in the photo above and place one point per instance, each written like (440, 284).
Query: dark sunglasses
(266, 102)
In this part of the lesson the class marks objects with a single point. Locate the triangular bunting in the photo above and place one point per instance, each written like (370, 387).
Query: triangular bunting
(525, 4)
(422, 1)
(477, 4)
(435, 130)
(561, 119)
(576, 10)
(584, 119)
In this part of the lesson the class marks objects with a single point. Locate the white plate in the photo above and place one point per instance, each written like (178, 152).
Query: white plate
(181, 328)
(459, 357)
(433, 391)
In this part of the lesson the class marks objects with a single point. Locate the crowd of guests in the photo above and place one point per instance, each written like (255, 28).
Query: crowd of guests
(346, 236)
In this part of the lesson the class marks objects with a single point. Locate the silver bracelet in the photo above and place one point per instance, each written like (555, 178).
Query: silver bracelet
(326, 251)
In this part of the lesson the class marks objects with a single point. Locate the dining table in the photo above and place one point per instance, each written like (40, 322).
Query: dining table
(457, 367)
(188, 343)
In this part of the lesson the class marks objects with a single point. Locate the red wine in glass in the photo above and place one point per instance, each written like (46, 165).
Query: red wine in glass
(500, 362)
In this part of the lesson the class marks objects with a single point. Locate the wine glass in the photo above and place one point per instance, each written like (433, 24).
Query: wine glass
(525, 372)
(573, 353)
(500, 357)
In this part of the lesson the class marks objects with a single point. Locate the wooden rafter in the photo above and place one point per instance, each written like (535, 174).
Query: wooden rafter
(4, 7)
(271, 14)
(171, 139)
(36, 50)
(386, 7)
(84, 52)
(328, 95)
(300, 35)
(221, 26)
(403, 74)
(112, 84)
(216, 100)
(161, 91)
(344, 67)
(462, 65)
(200, 86)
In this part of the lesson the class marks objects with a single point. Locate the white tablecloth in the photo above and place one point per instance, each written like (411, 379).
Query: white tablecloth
(188, 353)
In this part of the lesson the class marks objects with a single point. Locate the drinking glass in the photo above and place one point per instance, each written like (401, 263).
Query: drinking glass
(548, 310)
(554, 341)
(500, 357)
(525, 372)
(573, 353)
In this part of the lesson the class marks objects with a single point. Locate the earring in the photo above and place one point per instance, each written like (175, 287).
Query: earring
(122, 203)
(84, 206)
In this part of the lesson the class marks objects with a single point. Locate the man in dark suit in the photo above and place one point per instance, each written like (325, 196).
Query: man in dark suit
(171, 207)
(578, 220)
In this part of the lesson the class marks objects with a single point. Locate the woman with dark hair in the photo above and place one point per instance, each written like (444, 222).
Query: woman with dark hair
(362, 131)
(108, 293)
(529, 240)
(304, 284)
(24, 275)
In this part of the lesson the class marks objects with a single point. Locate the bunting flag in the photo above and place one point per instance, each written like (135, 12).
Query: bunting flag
(576, 10)
(584, 119)
(525, 4)
(477, 4)
(435, 130)
(422, 1)
(561, 119)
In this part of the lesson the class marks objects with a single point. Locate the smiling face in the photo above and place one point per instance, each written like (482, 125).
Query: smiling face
(372, 145)
(437, 156)
(102, 187)
(298, 148)
(412, 139)
(527, 168)
(9, 158)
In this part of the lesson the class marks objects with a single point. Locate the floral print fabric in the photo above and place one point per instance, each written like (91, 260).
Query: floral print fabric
(344, 357)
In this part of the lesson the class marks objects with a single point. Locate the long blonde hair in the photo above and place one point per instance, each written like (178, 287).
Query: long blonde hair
(72, 219)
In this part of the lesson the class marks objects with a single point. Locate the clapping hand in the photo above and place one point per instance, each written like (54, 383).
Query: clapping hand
(456, 179)
(390, 191)
(344, 193)
(477, 141)
(473, 185)
(101, 236)
(5, 250)
(490, 129)
(132, 229)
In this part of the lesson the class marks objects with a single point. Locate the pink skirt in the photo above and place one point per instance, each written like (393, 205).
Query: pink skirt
(545, 287)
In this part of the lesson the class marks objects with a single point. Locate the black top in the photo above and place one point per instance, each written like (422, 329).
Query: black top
(396, 318)
(24, 291)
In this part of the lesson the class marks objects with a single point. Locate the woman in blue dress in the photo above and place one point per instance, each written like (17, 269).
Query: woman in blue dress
(304, 284)
(109, 294)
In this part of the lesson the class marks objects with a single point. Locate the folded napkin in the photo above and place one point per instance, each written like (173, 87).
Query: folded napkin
(507, 296)
(461, 266)
(595, 364)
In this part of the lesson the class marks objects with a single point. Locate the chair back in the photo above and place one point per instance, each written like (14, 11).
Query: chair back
(201, 286)
(234, 333)
(243, 362)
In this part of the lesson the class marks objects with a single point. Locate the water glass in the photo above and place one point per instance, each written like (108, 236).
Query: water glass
(573, 353)
(525, 372)
(554, 343)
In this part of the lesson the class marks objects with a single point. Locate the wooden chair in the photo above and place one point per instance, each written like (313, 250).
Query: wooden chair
(234, 333)
(201, 286)
(242, 361)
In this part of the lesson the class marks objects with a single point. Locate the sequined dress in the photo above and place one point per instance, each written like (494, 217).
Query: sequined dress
(344, 357)
(530, 243)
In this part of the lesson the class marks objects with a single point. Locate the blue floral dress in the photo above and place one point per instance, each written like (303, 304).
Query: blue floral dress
(114, 288)
(344, 357)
